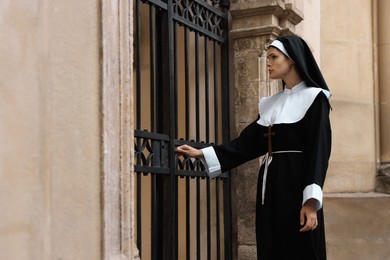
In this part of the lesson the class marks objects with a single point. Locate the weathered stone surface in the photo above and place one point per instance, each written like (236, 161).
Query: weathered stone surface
(383, 179)
(357, 226)
(247, 252)
(383, 184)
(245, 189)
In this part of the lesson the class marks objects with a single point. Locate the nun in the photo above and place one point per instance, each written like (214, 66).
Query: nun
(292, 136)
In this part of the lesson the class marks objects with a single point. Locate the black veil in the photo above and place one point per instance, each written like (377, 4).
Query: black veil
(306, 65)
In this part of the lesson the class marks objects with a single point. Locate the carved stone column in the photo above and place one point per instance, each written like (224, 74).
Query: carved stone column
(254, 25)
(118, 238)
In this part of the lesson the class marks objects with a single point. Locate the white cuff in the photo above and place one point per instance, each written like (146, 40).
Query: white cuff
(313, 191)
(211, 162)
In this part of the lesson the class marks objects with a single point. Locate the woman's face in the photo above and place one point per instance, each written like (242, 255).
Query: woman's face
(279, 65)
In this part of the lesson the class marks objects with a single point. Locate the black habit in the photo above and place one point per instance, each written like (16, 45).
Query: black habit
(295, 150)
(293, 136)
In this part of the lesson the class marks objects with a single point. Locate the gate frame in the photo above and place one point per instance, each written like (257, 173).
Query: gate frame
(117, 126)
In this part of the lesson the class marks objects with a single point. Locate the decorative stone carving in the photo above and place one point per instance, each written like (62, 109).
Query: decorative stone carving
(264, 18)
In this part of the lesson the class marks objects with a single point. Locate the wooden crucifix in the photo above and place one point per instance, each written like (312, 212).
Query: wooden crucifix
(269, 134)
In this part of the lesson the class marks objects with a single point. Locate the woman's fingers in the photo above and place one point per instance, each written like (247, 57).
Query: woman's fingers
(188, 151)
(309, 225)
(315, 224)
(308, 219)
(305, 228)
(182, 150)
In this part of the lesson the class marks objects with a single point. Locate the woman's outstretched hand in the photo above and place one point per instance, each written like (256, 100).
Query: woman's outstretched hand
(189, 151)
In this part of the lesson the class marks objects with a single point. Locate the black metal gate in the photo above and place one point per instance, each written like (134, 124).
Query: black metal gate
(181, 69)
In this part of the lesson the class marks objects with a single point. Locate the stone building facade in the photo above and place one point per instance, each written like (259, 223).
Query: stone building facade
(66, 123)
(349, 42)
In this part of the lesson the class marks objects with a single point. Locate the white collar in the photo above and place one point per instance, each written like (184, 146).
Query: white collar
(301, 85)
(289, 105)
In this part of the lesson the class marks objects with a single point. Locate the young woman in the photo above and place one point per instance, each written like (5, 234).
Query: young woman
(293, 135)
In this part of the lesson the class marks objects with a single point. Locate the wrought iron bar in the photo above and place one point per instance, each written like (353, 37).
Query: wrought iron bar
(171, 129)
(217, 216)
(188, 229)
(152, 41)
(225, 59)
(197, 120)
(208, 217)
(216, 109)
(138, 64)
(186, 85)
(198, 246)
(227, 220)
(154, 218)
(206, 86)
(175, 58)
(174, 134)
(139, 214)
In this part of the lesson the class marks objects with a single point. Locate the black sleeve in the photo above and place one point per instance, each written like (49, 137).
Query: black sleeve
(319, 140)
(249, 145)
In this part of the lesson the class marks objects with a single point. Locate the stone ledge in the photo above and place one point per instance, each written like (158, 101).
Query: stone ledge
(256, 31)
(351, 195)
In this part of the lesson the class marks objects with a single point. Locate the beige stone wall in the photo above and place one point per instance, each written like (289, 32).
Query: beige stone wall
(348, 57)
(49, 130)
(310, 27)
(347, 63)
